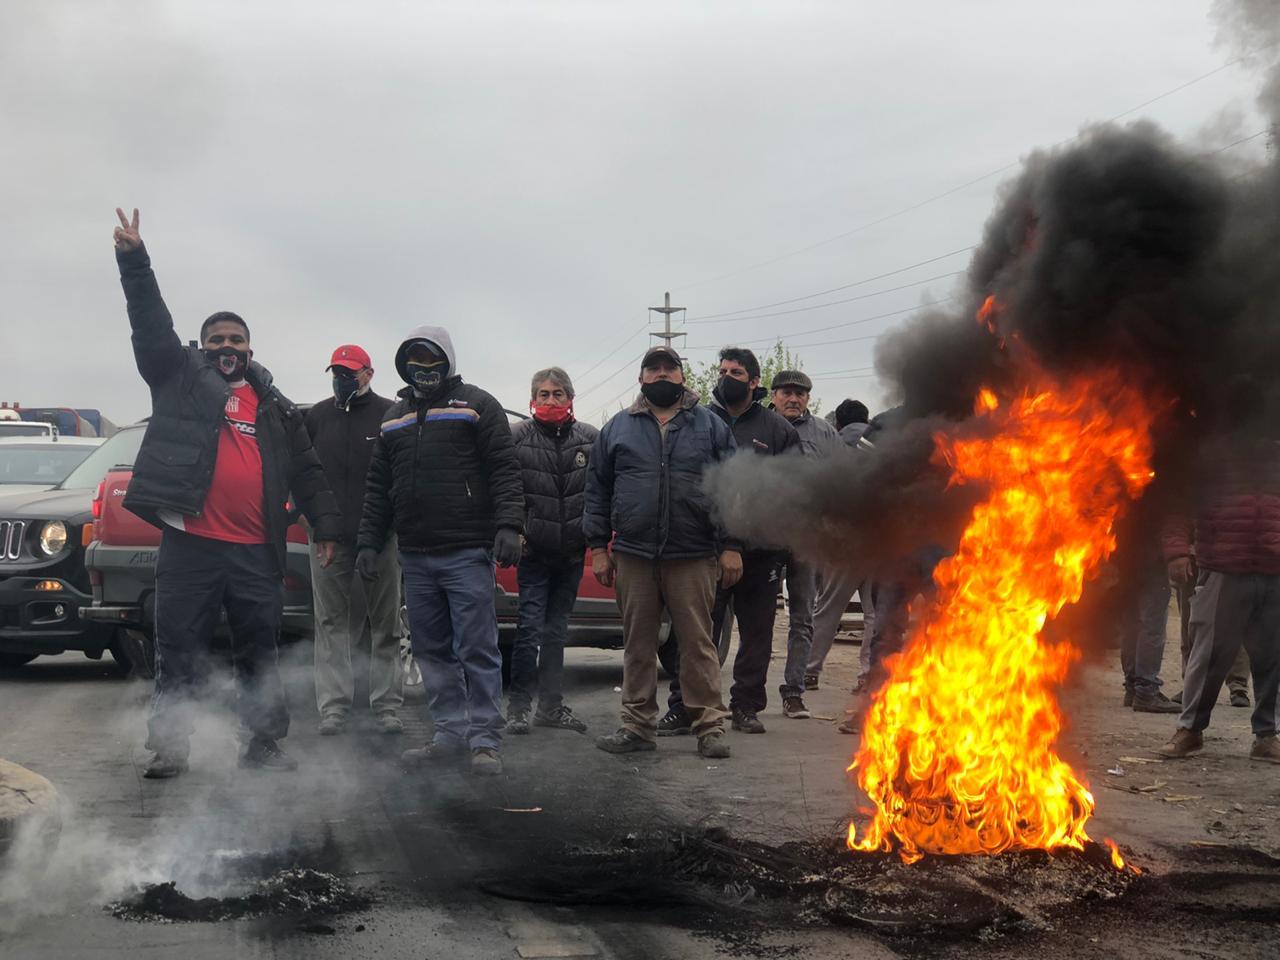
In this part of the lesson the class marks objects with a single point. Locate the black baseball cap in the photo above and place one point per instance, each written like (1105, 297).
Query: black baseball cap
(653, 353)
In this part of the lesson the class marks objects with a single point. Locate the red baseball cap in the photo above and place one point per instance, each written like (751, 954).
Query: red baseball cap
(350, 356)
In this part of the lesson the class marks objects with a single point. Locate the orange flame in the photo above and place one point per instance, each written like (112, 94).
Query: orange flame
(1117, 860)
(958, 752)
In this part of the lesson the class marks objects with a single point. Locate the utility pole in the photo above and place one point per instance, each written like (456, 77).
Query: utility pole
(666, 335)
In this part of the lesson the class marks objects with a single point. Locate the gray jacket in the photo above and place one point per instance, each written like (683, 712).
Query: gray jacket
(817, 437)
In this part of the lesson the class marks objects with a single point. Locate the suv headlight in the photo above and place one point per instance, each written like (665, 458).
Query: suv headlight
(53, 537)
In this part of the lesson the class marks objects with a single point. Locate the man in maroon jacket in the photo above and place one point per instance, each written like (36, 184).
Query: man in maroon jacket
(1236, 573)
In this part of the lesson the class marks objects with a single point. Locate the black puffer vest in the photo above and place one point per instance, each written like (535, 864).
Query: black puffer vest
(553, 466)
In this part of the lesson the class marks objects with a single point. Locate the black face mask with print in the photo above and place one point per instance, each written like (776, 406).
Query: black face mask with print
(229, 362)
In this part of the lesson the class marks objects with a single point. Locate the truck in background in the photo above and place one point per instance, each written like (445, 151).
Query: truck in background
(68, 421)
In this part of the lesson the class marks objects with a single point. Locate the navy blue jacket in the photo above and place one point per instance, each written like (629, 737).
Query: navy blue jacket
(647, 488)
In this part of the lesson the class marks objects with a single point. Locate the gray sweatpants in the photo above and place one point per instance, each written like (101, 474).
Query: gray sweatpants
(331, 587)
(1228, 609)
(1238, 675)
(836, 590)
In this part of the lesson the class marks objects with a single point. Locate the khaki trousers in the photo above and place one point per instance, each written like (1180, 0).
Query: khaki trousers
(686, 589)
(331, 589)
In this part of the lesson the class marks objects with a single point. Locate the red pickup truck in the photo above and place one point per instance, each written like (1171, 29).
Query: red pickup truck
(121, 562)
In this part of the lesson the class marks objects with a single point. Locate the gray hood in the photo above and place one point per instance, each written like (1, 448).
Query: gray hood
(439, 337)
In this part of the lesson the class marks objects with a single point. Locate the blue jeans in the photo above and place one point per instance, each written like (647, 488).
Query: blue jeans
(1142, 637)
(548, 589)
(453, 627)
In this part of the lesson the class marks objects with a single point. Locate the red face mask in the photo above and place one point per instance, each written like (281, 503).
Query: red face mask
(551, 413)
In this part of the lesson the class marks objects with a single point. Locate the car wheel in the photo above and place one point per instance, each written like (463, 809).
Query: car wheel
(11, 661)
(134, 652)
(413, 688)
(726, 635)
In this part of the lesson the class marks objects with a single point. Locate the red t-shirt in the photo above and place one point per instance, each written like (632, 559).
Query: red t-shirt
(233, 506)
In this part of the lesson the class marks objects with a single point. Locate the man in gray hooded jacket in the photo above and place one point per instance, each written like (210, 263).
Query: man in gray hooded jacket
(444, 476)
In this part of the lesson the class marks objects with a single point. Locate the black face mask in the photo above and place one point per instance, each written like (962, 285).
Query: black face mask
(732, 392)
(345, 387)
(229, 362)
(662, 393)
(427, 378)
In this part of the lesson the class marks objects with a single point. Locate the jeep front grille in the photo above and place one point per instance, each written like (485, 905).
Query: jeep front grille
(11, 532)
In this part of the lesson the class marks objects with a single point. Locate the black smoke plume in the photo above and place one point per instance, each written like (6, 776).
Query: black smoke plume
(1125, 249)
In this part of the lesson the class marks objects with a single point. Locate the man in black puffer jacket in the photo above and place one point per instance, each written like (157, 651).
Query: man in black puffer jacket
(445, 478)
(553, 448)
(222, 453)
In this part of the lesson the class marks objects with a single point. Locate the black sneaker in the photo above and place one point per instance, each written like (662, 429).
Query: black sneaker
(164, 766)
(676, 723)
(745, 721)
(793, 708)
(624, 741)
(561, 718)
(517, 720)
(263, 754)
(1154, 703)
(811, 681)
(1240, 698)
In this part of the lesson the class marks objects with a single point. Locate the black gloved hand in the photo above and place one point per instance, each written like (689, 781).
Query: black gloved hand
(367, 563)
(506, 547)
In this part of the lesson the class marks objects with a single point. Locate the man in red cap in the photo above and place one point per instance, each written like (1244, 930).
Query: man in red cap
(343, 429)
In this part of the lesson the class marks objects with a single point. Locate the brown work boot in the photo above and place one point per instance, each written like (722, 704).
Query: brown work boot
(1184, 743)
(1266, 749)
(712, 745)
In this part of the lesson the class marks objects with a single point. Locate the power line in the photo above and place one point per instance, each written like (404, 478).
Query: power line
(1236, 143)
(968, 183)
(836, 303)
(708, 318)
(834, 326)
(832, 373)
(632, 362)
(630, 337)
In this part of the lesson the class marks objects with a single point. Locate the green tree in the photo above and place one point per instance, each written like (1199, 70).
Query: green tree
(703, 379)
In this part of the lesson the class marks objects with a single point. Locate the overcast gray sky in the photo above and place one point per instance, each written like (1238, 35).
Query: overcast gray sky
(533, 175)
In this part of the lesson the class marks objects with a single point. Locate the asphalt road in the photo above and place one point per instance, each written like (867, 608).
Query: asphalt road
(453, 865)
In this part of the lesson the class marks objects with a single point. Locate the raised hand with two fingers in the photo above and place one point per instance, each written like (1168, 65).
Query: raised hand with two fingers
(126, 235)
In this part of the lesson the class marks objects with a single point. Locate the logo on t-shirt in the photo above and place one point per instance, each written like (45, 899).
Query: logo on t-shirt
(245, 428)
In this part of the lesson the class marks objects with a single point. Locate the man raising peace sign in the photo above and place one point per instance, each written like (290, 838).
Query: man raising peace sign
(222, 453)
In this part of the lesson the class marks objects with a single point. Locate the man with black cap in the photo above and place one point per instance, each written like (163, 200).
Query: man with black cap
(343, 430)
(644, 492)
(223, 452)
(818, 438)
(444, 477)
(753, 599)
